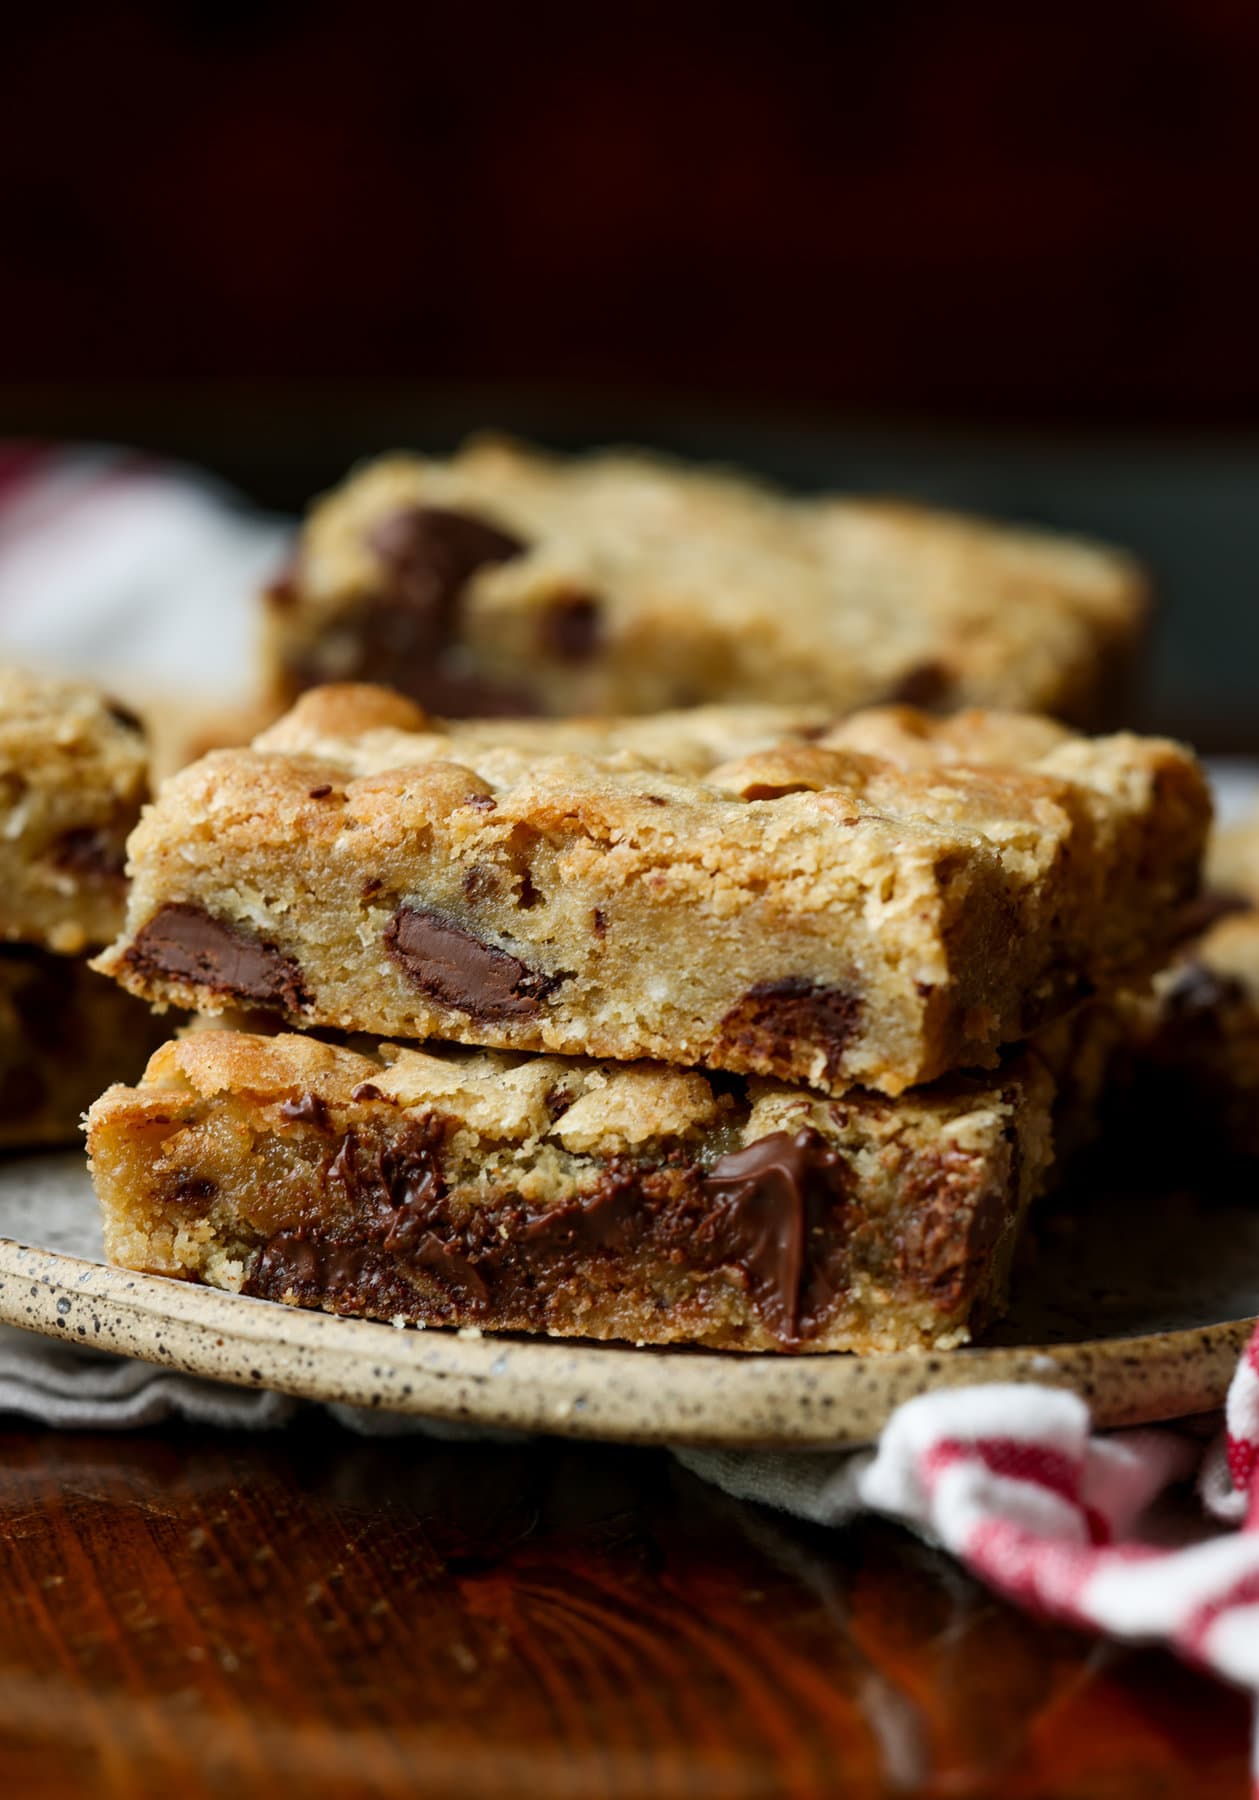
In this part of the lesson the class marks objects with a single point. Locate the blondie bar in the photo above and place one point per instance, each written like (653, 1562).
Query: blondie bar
(877, 903)
(507, 581)
(566, 1196)
(1197, 1038)
(73, 776)
(64, 1034)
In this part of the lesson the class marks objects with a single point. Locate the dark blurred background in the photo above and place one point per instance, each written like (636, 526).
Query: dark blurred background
(1001, 255)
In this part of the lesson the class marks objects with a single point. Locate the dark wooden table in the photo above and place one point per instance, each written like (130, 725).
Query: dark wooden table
(193, 1613)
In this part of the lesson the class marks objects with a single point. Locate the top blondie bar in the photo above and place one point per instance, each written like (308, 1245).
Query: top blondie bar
(506, 581)
(871, 902)
(73, 776)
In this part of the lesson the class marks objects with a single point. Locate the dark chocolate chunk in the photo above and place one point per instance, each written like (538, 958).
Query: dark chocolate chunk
(776, 1020)
(428, 554)
(186, 944)
(950, 1226)
(772, 1211)
(926, 684)
(307, 1109)
(191, 1188)
(366, 1090)
(91, 850)
(481, 802)
(322, 791)
(123, 715)
(460, 970)
(570, 629)
(479, 883)
(773, 1195)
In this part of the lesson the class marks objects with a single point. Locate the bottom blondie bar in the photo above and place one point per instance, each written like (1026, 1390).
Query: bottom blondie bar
(571, 1197)
(64, 1032)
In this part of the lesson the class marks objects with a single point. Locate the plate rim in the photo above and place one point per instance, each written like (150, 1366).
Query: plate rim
(577, 1388)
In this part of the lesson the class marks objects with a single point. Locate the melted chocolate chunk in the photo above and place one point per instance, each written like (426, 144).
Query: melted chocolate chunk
(91, 850)
(186, 944)
(775, 1019)
(460, 970)
(391, 1227)
(772, 1197)
(405, 633)
(307, 1109)
(570, 629)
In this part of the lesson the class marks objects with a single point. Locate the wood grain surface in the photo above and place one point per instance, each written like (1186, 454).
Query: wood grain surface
(195, 1614)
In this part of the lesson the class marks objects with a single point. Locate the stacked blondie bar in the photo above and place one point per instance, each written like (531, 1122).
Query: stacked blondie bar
(732, 1026)
(73, 776)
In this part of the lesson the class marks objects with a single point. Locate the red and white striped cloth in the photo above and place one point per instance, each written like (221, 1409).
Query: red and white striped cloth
(138, 574)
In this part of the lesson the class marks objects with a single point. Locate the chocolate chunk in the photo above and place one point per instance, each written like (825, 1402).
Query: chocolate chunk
(461, 971)
(123, 715)
(91, 850)
(307, 1109)
(773, 1195)
(190, 1188)
(366, 1090)
(570, 628)
(398, 1241)
(926, 684)
(479, 883)
(777, 1022)
(950, 1228)
(405, 632)
(322, 791)
(481, 802)
(186, 944)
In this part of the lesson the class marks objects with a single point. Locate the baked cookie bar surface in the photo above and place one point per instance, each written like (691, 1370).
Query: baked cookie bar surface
(73, 776)
(570, 1197)
(874, 904)
(504, 580)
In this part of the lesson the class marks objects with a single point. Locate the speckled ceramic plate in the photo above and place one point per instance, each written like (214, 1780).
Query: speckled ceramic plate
(1141, 1304)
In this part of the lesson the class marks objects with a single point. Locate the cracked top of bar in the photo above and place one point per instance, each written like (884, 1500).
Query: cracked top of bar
(506, 580)
(875, 901)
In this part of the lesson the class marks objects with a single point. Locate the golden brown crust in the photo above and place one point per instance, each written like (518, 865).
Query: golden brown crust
(810, 910)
